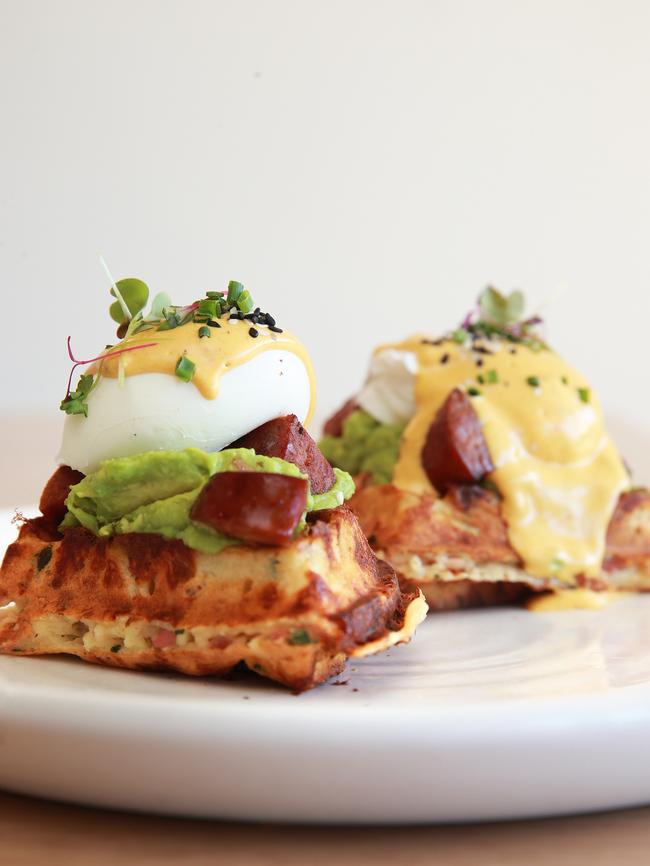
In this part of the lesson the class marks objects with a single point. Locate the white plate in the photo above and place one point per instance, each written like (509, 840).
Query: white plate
(488, 714)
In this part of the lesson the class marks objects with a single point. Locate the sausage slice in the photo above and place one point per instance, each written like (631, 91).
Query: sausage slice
(334, 425)
(455, 450)
(55, 493)
(258, 507)
(285, 437)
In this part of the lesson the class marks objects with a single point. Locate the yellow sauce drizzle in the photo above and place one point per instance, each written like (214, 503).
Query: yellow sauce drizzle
(556, 468)
(226, 348)
(572, 599)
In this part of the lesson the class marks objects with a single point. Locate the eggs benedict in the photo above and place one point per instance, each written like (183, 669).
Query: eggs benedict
(484, 464)
(193, 524)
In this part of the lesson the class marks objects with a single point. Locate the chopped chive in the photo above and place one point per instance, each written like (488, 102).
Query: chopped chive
(480, 379)
(460, 335)
(204, 331)
(185, 368)
(473, 392)
(172, 320)
(492, 377)
(214, 296)
(116, 648)
(565, 381)
(533, 381)
(245, 303)
(300, 637)
(44, 556)
(584, 394)
(208, 308)
(234, 291)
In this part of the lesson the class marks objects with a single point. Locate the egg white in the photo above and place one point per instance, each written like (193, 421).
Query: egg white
(389, 391)
(156, 411)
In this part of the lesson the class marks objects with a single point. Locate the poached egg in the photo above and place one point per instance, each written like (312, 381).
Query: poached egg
(140, 404)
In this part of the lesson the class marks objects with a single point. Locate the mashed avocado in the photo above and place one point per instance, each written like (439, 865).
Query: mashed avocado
(155, 491)
(365, 445)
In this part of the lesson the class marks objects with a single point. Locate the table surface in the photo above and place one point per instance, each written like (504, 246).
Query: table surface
(34, 831)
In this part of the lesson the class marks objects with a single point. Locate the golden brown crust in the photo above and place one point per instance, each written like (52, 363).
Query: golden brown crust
(141, 601)
(456, 548)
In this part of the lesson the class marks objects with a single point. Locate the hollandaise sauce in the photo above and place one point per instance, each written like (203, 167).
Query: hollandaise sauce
(556, 468)
(229, 345)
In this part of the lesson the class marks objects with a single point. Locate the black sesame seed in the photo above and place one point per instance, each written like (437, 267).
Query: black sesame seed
(213, 323)
(444, 358)
(269, 319)
(275, 330)
(479, 362)
(253, 332)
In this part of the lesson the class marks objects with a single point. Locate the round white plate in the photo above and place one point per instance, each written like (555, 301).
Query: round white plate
(488, 714)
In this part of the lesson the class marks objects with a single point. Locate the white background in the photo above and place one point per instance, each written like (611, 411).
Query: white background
(363, 167)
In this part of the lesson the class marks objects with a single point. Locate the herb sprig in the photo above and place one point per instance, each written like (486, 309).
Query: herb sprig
(499, 315)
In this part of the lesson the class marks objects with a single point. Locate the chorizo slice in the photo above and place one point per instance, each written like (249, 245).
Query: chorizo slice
(257, 507)
(334, 425)
(55, 493)
(285, 437)
(455, 450)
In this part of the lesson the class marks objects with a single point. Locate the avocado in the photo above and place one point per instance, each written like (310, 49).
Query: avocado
(365, 445)
(154, 492)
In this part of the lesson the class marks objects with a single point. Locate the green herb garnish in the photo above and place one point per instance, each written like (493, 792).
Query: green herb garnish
(300, 637)
(234, 291)
(44, 556)
(492, 377)
(75, 401)
(245, 303)
(501, 310)
(204, 331)
(460, 335)
(584, 394)
(185, 368)
(473, 392)
(533, 381)
(209, 307)
(135, 294)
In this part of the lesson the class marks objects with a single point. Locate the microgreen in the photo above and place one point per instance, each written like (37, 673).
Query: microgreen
(134, 293)
(131, 296)
(499, 316)
(75, 402)
(501, 310)
(158, 305)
